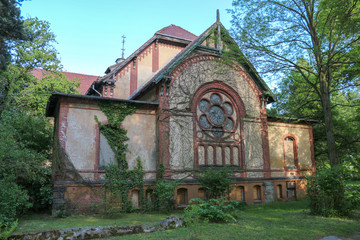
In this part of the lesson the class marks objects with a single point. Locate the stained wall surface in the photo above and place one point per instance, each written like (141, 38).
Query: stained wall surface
(181, 127)
(81, 136)
(301, 132)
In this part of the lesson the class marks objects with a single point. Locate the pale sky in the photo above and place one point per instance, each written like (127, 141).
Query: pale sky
(89, 32)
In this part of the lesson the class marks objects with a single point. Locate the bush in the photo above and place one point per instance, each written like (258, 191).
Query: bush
(164, 195)
(7, 229)
(13, 201)
(327, 195)
(214, 210)
(216, 182)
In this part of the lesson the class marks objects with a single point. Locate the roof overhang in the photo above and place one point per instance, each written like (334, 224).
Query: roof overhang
(55, 97)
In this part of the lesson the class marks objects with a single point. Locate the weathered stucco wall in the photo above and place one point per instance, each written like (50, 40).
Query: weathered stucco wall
(167, 52)
(142, 143)
(301, 132)
(253, 146)
(144, 66)
(181, 125)
(199, 73)
(122, 84)
(82, 138)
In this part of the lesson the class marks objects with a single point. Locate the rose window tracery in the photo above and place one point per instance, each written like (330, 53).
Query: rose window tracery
(216, 115)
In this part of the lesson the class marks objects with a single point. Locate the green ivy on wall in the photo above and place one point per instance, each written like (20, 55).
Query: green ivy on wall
(113, 132)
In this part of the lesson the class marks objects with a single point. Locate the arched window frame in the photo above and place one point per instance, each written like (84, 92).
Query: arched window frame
(238, 107)
(257, 193)
(291, 172)
(185, 196)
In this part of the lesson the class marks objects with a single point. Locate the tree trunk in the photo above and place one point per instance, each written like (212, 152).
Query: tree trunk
(326, 106)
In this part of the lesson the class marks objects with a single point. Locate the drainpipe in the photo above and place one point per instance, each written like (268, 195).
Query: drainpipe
(93, 88)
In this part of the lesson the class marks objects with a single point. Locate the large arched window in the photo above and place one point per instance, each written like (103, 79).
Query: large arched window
(218, 129)
(216, 115)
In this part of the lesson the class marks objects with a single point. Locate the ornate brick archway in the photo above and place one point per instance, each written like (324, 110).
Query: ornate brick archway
(218, 130)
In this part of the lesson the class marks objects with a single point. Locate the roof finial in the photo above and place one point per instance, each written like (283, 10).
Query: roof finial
(123, 49)
(217, 16)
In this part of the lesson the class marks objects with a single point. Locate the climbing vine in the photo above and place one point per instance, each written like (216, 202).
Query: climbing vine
(118, 179)
(112, 130)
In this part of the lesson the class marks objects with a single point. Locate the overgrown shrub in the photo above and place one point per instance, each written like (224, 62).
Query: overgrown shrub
(214, 210)
(24, 166)
(216, 182)
(117, 186)
(7, 229)
(13, 201)
(326, 193)
(164, 191)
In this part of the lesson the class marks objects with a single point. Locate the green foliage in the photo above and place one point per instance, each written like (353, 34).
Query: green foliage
(214, 210)
(11, 28)
(117, 186)
(352, 194)
(279, 36)
(164, 191)
(18, 86)
(118, 179)
(298, 100)
(326, 193)
(114, 133)
(7, 229)
(13, 201)
(38, 50)
(25, 142)
(138, 179)
(216, 182)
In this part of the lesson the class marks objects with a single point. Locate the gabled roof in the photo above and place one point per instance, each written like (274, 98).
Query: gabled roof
(176, 31)
(171, 31)
(84, 79)
(197, 44)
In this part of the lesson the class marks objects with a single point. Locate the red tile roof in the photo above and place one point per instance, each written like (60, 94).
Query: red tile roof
(176, 31)
(85, 80)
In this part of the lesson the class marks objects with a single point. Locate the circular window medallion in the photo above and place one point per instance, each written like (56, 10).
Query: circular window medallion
(216, 115)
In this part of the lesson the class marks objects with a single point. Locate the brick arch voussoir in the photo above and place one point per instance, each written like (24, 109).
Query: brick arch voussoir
(200, 58)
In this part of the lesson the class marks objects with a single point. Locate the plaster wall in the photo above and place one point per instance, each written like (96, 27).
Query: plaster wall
(167, 52)
(199, 73)
(253, 147)
(142, 143)
(81, 135)
(181, 126)
(181, 143)
(122, 85)
(276, 133)
(144, 66)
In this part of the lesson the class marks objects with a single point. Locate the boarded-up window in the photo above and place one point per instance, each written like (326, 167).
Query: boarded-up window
(201, 193)
(279, 191)
(181, 197)
(291, 190)
(106, 154)
(289, 153)
(135, 198)
(238, 193)
(257, 192)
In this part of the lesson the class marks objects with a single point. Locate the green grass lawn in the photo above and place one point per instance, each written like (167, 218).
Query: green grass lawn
(272, 221)
(43, 221)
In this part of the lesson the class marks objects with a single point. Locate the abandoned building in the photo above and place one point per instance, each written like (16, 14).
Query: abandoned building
(195, 110)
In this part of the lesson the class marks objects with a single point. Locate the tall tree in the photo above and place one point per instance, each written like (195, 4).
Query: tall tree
(326, 33)
(18, 86)
(11, 28)
(297, 99)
